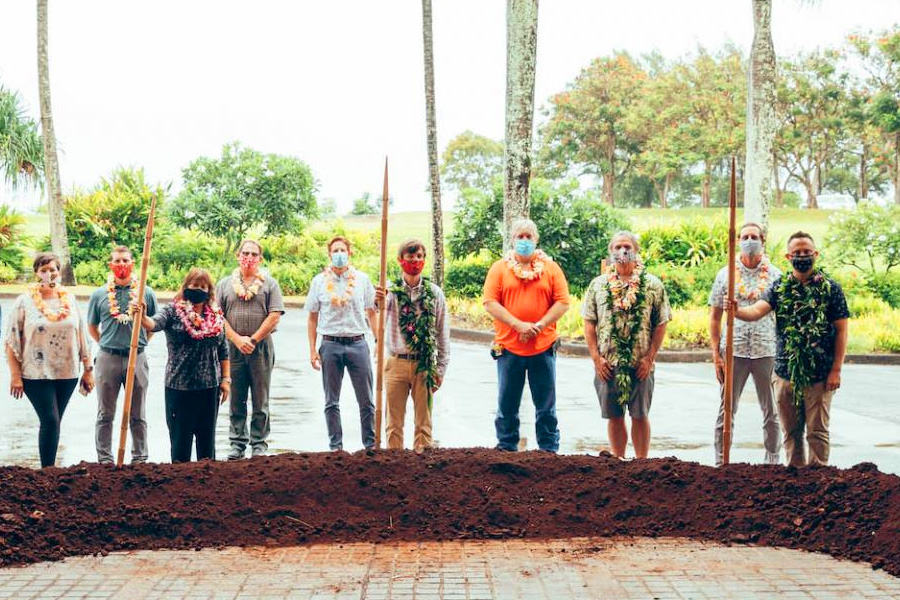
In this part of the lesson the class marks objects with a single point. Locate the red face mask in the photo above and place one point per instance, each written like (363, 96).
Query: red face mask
(412, 267)
(122, 271)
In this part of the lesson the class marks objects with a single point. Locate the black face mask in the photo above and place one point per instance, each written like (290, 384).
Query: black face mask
(803, 264)
(196, 296)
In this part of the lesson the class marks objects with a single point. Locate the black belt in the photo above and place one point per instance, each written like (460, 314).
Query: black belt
(407, 356)
(344, 340)
(117, 352)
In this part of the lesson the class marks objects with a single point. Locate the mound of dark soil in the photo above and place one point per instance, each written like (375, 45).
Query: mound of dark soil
(295, 499)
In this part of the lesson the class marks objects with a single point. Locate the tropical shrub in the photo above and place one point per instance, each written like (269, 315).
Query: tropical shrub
(886, 286)
(865, 238)
(12, 226)
(465, 277)
(687, 244)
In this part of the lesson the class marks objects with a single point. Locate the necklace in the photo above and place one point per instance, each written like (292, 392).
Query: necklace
(419, 329)
(625, 300)
(200, 327)
(762, 282)
(344, 298)
(531, 270)
(113, 302)
(65, 304)
(625, 293)
(246, 292)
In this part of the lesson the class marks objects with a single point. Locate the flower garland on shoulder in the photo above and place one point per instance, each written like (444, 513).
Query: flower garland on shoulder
(344, 298)
(531, 270)
(114, 310)
(246, 292)
(625, 307)
(803, 321)
(762, 282)
(65, 303)
(199, 327)
(417, 321)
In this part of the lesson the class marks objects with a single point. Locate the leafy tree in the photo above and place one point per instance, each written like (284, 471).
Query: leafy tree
(327, 208)
(242, 190)
(866, 238)
(364, 205)
(472, 161)
(21, 147)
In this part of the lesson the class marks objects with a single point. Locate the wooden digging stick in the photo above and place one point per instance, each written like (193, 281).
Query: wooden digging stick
(729, 320)
(382, 282)
(136, 319)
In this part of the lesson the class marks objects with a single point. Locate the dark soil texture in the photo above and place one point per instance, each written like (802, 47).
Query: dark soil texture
(293, 499)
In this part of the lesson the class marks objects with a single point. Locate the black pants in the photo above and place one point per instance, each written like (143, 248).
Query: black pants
(49, 397)
(190, 415)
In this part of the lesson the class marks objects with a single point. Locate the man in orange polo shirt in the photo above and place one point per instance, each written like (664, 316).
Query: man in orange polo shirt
(526, 293)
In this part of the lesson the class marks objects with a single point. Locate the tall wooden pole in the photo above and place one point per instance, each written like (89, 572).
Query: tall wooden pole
(382, 282)
(136, 319)
(729, 320)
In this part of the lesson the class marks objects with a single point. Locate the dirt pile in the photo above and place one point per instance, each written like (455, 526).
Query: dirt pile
(448, 494)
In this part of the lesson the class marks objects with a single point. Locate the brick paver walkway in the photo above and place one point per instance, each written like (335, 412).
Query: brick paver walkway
(558, 570)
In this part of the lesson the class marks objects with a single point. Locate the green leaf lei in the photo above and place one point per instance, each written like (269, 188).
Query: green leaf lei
(623, 336)
(803, 321)
(419, 329)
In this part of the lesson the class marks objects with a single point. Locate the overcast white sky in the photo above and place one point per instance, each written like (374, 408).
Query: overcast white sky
(338, 83)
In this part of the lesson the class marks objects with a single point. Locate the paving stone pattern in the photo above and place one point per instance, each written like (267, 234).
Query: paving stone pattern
(556, 570)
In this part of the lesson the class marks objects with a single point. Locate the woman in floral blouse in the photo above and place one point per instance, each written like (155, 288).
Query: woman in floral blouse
(45, 340)
(198, 371)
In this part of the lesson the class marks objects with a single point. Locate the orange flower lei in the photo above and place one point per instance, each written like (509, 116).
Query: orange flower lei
(343, 299)
(114, 310)
(533, 269)
(761, 285)
(65, 304)
(624, 294)
(246, 293)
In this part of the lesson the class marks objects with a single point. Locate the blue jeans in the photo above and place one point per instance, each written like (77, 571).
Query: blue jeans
(353, 357)
(541, 371)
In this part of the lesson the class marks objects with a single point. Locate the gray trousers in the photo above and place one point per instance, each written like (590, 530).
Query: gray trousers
(761, 370)
(251, 375)
(111, 371)
(355, 358)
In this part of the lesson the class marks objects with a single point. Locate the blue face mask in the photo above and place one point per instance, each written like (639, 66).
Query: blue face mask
(340, 259)
(525, 247)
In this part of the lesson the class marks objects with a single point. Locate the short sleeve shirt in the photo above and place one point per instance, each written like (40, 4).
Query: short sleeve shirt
(245, 316)
(337, 319)
(752, 339)
(193, 364)
(835, 307)
(656, 312)
(113, 334)
(527, 300)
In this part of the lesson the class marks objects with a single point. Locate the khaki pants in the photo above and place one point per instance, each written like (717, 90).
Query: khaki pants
(815, 417)
(401, 380)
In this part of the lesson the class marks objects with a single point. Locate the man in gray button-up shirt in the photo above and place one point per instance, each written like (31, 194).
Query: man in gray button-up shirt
(754, 342)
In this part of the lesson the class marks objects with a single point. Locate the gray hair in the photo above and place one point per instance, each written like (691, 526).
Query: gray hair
(625, 234)
(521, 225)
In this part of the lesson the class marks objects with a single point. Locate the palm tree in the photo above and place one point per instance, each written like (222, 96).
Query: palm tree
(521, 57)
(58, 237)
(437, 225)
(21, 154)
(762, 123)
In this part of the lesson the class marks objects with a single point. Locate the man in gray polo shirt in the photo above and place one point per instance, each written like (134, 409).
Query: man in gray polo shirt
(109, 323)
(252, 303)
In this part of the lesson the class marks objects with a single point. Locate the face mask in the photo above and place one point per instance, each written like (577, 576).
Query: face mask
(121, 271)
(412, 267)
(249, 262)
(48, 280)
(525, 247)
(340, 259)
(803, 264)
(195, 296)
(623, 256)
(751, 247)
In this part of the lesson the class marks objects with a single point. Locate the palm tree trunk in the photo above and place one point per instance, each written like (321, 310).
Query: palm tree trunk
(762, 123)
(437, 225)
(897, 169)
(58, 238)
(521, 57)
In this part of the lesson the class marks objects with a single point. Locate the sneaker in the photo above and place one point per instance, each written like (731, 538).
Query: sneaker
(504, 448)
(258, 451)
(235, 454)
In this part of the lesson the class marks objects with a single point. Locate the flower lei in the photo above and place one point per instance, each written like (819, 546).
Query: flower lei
(533, 269)
(761, 284)
(419, 329)
(65, 303)
(625, 300)
(246, 292)
(343, 299)
(114, 310)
(802, 320)
(200, 327)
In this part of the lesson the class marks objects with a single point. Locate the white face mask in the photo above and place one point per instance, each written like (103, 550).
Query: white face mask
(622, 256)
(48, 279)
(751, 247)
